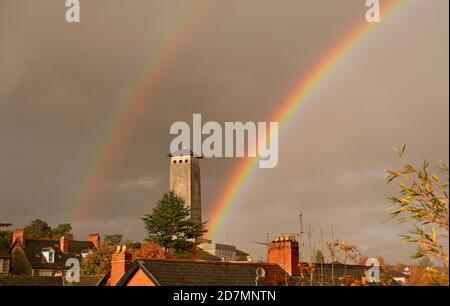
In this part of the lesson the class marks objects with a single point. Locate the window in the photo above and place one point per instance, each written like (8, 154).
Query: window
(49, 254)
(45, 273)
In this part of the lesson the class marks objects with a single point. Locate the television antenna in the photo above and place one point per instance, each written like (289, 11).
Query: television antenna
(267, 243)
(300, 233)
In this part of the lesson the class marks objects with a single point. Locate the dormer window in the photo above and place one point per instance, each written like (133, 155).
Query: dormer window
(49, 254)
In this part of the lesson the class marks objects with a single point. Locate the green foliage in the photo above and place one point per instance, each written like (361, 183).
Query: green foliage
(5, 235)
(169, 225)
(38, 229)
(64, 229)
(113, 239)
(423, 201)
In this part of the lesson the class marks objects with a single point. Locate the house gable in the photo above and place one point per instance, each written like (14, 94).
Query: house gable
(139, 278)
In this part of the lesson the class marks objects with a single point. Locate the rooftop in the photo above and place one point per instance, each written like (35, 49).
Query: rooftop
(165, 272)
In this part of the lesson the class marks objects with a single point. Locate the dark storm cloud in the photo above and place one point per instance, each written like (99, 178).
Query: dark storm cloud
(60, 82)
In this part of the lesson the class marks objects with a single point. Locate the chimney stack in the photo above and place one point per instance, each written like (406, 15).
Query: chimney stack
(120, 263)
(285, 252)
(21, 235)
(64, 244)
(95, 239)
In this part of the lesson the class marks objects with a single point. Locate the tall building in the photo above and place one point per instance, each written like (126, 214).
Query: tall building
(184, 181)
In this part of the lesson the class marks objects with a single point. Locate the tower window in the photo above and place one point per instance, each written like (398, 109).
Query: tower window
(174, 161)
(186, 161)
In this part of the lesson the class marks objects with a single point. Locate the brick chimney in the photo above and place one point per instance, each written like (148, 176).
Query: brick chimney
(64, 244)
(95, 239)
(120, 263)
(284, 251)
(21, 235)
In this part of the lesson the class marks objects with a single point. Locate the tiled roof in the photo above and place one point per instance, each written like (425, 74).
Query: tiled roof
(28, 280)
(3, 252)
(205, 273)
(89, 280)
(33, 250)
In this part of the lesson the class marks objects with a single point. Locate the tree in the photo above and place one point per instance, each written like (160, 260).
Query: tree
(383, 263)
(99, 262)
(425, 262)
(423, 200)
(113, 239)
(149, 251)
(5, 235)
(64, 229)
(419, 277)
(39, 229)
(169, 225)
(319, 258)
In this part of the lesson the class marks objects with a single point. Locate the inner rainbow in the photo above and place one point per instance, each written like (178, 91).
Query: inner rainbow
(242, 175)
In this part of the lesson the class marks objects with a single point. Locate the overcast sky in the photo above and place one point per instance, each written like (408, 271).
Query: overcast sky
(60, 82)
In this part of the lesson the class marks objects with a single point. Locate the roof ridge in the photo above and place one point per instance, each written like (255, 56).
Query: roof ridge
(196, 261)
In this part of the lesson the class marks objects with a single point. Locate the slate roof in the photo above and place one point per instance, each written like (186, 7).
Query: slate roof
(28, 280)
(33, 250)
(50, 281)
(163, 272)
(3, 252)
(90, 281)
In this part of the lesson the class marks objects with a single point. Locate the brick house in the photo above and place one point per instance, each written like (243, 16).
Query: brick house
(164, 272)
(283, 269)
(4, 261)
(47, 257)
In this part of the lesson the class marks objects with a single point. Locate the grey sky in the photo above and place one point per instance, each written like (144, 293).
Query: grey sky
(59, 82)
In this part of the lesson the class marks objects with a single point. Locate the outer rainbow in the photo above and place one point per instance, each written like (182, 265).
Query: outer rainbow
(131, 106)
(288, 109)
